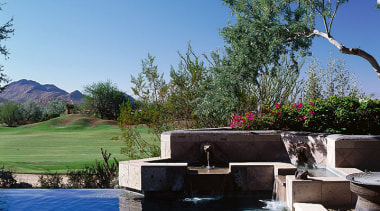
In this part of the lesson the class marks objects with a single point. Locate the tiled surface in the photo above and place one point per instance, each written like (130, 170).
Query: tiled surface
(362, 152)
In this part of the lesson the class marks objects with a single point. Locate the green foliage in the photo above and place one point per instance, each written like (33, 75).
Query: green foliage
(265, 31)
(281, 86)
(228, 93)
(5, 31)
(53, 109)
(99, 175)
(31, 111)
(10, 113)
(103, 99)
(333, 80)
(150, 85)
(6, 178)
(136, 146)
(345, 115)
(3, 77)
(51, 181)
(186, 85)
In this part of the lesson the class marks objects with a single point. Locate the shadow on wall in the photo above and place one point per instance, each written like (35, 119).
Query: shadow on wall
(308, 149)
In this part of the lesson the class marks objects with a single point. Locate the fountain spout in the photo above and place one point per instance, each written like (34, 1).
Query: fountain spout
(207, 149)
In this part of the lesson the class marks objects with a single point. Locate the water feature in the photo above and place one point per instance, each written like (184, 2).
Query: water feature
(207, 164)
(367, 186)
(117, 199)
(207, 149)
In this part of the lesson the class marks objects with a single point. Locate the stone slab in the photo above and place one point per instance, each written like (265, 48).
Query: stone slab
(308, 207)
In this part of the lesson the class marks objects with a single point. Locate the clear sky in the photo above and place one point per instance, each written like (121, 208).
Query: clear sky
(73, 43)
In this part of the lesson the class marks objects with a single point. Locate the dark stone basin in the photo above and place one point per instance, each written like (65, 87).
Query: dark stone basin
(367, 187)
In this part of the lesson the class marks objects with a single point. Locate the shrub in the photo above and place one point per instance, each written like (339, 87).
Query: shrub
(100, 175)
(332, 115)
(10, 113)
(51, 181)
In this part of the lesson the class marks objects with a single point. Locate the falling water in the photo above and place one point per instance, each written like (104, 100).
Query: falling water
(208, 160)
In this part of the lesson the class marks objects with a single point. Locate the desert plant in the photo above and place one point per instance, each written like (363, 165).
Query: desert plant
(53, 109)
(136, 145)
(51, 181)
(99, 175)
(10, 113)
(6, 178)
(31, 111)
(333, 80)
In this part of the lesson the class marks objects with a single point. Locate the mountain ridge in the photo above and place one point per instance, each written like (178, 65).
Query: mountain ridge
(23, 90)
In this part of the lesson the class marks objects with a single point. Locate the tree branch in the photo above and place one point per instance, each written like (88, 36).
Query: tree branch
(333, 16)
(352, 51)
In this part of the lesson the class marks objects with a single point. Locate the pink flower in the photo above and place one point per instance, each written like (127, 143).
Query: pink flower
(278, 114)
(278, 106)
(312, 112)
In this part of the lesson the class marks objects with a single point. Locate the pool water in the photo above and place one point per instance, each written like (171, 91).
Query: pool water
(59, 199)
(116, 199)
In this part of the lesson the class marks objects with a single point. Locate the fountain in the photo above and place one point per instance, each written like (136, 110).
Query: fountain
(220, 163)
(367, 186)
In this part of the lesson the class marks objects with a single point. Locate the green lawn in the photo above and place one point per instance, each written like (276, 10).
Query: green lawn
(68, 142)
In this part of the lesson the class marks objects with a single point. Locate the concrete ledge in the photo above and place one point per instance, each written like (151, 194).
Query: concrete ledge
(328, 191)
(308, 207)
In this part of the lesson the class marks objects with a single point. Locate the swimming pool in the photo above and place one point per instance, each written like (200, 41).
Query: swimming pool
(117, 199)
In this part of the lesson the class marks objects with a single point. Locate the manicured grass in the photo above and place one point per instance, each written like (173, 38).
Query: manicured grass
(68, 142)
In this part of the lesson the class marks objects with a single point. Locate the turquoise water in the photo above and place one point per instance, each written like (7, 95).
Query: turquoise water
(116, 199)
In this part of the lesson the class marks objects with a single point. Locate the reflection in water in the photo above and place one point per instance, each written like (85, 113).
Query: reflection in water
(246, 202)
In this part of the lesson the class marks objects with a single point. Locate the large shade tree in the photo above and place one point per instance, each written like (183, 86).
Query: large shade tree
(267, 29)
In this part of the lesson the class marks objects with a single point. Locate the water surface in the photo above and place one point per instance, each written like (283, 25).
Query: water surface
(116, 199)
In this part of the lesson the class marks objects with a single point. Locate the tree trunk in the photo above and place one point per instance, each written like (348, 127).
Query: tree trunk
(352, 51)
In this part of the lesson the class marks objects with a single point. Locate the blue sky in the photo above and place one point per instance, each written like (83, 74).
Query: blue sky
(73, 43)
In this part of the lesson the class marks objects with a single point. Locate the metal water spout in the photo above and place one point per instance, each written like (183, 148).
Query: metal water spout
(207, 149)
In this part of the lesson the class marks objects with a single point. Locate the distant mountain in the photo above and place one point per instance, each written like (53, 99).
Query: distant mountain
(22, 90)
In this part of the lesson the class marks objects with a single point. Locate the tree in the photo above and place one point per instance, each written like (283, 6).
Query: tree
(267, 29)
(103, 99)
(10, 113)
(185, 85)
(31, 111)
(334, 80)
(327, 11)
(53, 109)
(5, 31)
(150, 86)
